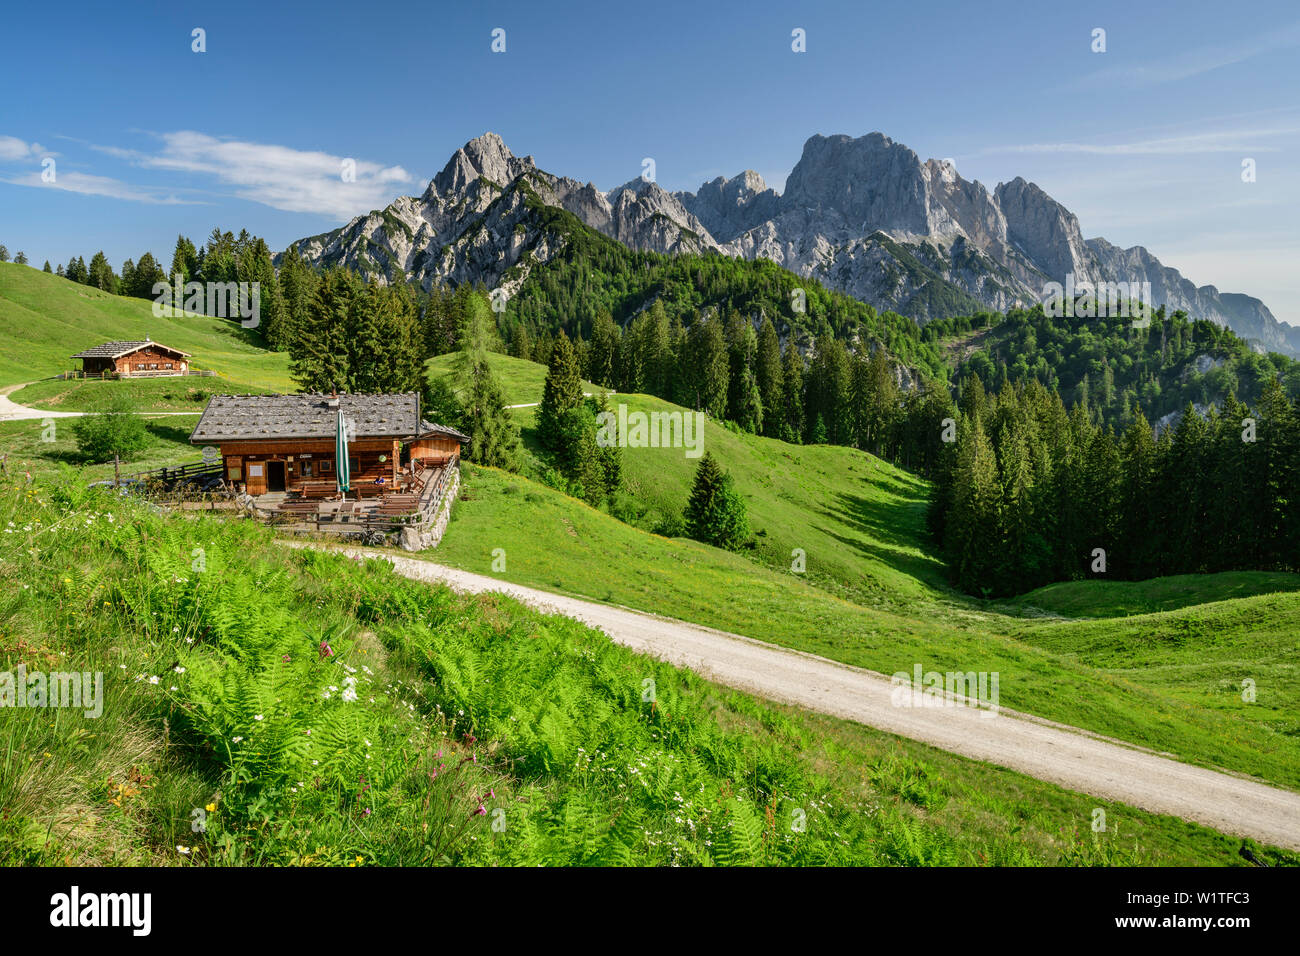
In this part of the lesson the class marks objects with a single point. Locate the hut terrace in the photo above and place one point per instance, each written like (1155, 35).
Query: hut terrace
(132, 360)
(281, 451)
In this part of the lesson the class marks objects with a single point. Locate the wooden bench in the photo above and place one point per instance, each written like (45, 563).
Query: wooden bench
(398, 506)
(318, 488)
(366, 487)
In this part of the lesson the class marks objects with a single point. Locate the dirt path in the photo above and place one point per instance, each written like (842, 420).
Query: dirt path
(535, 404)
(11, 411)
(1071, 758)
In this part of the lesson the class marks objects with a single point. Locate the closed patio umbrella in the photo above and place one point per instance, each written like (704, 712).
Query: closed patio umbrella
(341, 469)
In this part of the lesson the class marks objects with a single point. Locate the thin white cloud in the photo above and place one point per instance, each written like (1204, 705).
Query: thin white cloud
(1189, 63)
(12, 148)
(1241, 141)
(277, 176)
(88, 185)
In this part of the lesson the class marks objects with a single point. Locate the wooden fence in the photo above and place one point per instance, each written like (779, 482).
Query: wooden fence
(192, 471)
(114, 376)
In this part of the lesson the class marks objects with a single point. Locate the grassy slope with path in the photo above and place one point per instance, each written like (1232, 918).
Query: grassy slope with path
(556, 543)
(95, 595)
(874, 594)
(45, 318)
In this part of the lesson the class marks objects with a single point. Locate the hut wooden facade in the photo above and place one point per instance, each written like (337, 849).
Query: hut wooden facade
(133, 359)
(436, 444)
(286, 443)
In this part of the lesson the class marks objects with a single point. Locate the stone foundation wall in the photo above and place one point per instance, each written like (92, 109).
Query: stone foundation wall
(413, 539)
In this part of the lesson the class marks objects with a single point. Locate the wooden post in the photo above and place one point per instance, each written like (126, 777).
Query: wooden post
(117, 471)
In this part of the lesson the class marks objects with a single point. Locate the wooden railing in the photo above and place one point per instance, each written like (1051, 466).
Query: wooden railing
(198, 469)
(143, 373)
(431, 500)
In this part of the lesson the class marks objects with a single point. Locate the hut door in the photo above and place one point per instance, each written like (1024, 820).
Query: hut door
(256, 478)
(275, 476)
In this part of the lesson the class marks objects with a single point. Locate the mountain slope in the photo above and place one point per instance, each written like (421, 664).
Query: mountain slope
(864, 215)
(871, 594)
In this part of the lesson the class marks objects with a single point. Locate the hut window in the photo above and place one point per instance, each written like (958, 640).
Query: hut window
(326, 466)
(305, 468)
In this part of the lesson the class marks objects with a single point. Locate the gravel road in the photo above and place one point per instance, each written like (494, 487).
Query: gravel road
(1072, 758)
(11, 411)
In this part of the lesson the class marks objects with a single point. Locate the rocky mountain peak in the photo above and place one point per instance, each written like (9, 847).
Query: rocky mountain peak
(1046, 231)
(728, 207)
(487, 156)
(870, 182)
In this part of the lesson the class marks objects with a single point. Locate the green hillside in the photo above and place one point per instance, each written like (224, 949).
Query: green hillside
(873, 593)
(1239, 657)
(1124, 598)
(521, 381)
(313, 712)
(558, 543)
(45, 318)
(859, 521)
(1107, 365)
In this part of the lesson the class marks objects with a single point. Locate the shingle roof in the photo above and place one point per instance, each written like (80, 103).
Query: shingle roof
(250, 417)
(429, 428)
(118, 349)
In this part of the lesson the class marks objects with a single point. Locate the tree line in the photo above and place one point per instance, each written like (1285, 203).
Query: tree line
(1026, 493)
(762, 385)
(1113, 368)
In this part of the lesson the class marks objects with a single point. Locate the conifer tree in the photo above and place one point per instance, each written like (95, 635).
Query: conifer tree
(185, 261)
(383, 341)
(827, 388)
(767, 373)
(521, 345)
(792, 393)
(318, 358)
(100, 275)
(561, 393)
(708, 372)
(1278, 464)
(494, 436)
(972, 528)
(1139, 532)
(603, 353)
(715, 512)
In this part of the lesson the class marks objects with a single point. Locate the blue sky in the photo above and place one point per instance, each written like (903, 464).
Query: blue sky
(1145, 141)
